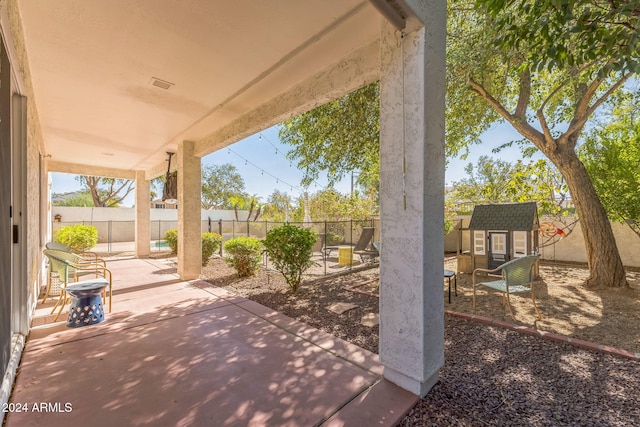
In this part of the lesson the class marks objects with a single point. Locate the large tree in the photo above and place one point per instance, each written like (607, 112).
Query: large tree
(544, 67)
(106, 192)
(539, 67)
(219, 184)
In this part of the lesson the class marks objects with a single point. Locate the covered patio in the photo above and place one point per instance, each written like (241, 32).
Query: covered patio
(108, 88)
(187, 353)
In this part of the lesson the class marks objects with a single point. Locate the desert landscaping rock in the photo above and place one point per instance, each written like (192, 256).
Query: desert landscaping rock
(370, 320)
(341, 307)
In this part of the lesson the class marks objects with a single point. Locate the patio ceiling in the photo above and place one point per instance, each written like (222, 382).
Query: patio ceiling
(234, 68)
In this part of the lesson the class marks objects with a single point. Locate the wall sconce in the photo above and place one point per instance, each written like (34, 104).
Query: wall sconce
(57, 218)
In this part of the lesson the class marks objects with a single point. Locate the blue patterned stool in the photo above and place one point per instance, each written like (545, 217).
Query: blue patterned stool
(86, 307)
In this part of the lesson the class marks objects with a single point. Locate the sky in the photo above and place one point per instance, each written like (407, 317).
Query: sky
(261, 161)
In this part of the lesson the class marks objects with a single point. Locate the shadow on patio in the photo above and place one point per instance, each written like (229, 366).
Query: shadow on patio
(178, 353)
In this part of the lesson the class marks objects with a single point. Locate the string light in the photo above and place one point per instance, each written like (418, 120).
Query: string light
(260, 137)
(262, 172)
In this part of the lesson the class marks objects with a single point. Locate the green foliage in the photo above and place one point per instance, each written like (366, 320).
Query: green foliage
(275, 208)
(497, 181)
(250, 203)
(210, 244)
(330, 205)
(80, 238)
(449, 213)
(611, 155)
(219, 184)
(78, 199)
(588, 30)
(171, 237)
(338, 137)
(243, 254)
(333, 239)
(289, 250)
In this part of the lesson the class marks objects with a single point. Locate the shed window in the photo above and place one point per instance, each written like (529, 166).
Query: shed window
(519, 243)
(498, 243)
(478, 242)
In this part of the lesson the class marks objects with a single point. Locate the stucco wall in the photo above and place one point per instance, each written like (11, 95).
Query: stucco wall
(571, 248)
(77, 214)
(118, 224)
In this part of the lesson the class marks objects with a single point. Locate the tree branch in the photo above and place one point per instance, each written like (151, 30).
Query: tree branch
(579, 121)
(524, 95)
(551, 142)
(524, 128)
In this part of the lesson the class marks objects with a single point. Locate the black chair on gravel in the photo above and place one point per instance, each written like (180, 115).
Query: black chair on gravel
(364, 247)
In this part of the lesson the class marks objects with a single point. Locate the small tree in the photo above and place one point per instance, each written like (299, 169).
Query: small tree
(80, 238)
(210, 244)
(289, 249)
(243, 254)
(171, 237)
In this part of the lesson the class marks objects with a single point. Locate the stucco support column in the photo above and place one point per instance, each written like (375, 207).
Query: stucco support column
(143, 216)
(412, 89)
(189, 216)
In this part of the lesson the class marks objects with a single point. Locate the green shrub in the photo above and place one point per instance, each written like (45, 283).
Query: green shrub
(289, 250)
(80, 238)
(333, 239)
(243, 254)
(171, 236)
(210, 244)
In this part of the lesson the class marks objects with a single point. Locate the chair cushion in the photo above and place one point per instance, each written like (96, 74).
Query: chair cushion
(501, 285)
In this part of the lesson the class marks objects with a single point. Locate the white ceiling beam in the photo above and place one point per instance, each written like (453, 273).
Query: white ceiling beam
(78, 169)
(347, 75)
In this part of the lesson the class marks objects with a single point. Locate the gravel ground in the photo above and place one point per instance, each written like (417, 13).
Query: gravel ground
(497, 377)
(491, 376)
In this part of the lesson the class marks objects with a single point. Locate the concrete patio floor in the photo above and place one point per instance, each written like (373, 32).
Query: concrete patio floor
(190, 354)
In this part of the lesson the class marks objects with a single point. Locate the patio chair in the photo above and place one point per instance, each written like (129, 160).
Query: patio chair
(70, 267)
(86, 257)
(364, 246)
(57, 246)
(517, 277)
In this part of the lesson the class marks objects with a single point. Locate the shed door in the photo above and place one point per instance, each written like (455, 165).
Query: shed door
(498, 249)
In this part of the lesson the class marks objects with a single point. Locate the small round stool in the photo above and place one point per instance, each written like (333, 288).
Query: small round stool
(86, 305)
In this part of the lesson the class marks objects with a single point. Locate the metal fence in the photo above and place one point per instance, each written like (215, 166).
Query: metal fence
(118, 236)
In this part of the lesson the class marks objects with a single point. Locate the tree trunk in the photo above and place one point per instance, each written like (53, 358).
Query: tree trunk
(605, 265)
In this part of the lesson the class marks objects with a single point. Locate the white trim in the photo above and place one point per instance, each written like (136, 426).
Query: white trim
(479, 236)
(522, 237)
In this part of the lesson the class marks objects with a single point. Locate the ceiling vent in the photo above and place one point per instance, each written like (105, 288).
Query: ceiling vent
(162, 84)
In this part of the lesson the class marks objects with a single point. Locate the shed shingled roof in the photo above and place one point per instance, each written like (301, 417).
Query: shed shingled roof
(509, 216)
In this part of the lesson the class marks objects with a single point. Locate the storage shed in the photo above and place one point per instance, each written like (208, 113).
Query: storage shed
(500, 233)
